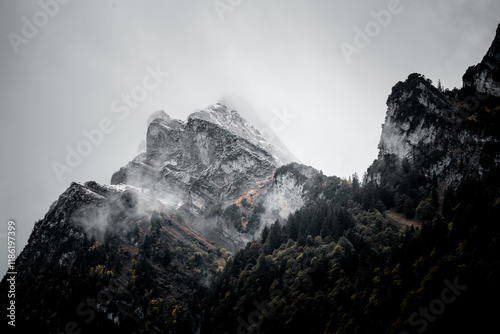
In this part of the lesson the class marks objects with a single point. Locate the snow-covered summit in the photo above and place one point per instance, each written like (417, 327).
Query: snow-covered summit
(232, 121)
(228, 119)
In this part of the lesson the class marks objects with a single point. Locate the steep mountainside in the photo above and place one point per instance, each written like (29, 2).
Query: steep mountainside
(212, 156)
(434, 139)
(104, 259)
(411, 250)
(455, 129)
(485, 76)
(136, 255)
(203, 168)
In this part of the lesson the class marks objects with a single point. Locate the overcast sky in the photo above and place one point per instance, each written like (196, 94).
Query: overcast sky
(68, 68)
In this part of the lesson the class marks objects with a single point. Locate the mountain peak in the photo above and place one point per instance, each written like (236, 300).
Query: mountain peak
(485, 76)
(415, 97)
(220, 115)
(415, 111)
(421, 118)
(230, 120)
(213, 154)
(494, 51)
(158, 114)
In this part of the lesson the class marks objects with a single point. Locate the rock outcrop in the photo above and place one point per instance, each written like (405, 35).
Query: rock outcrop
(485, 76)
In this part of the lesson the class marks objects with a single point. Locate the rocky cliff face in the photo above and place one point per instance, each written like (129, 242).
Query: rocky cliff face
(134, 255)
(485, 76)
(208, 163)
(416, 113)
(108, 258)
(433, 138)
(444, 134)
(212, 156)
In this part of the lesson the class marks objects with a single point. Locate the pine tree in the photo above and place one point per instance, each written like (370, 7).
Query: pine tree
(440, 87)
(355, 181)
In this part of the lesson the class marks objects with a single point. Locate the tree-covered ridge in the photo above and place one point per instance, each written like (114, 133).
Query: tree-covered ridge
(142, 275)
(336, 267)
(344, 264)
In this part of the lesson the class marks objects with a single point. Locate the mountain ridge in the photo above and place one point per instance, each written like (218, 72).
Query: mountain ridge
(485, 76)
(207, 230)
(203, 165)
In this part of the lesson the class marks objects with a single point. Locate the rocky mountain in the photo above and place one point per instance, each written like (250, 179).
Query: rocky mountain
(211, 229)
(212, 156)
(408, 251)
(447, 135)
(108, 258)
(485, 76)
(207, 164)
(134, 255)
(452, 128)
(277, 117)
(434, 139)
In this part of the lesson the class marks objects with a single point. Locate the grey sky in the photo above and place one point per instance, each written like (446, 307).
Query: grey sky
(275, 57)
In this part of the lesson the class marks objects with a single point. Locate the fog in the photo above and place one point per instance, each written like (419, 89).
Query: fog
(312, 75)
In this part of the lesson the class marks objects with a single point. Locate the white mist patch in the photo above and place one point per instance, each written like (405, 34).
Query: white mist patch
(98, 208)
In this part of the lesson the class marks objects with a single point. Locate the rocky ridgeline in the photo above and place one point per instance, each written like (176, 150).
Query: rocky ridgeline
(444, 134)
(201, 167)
(153, 239)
